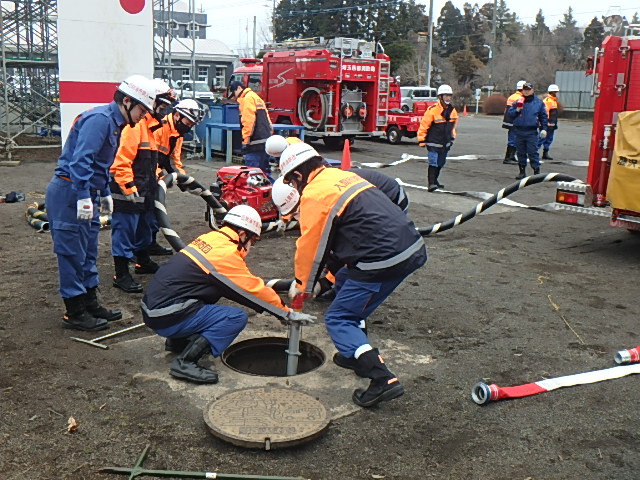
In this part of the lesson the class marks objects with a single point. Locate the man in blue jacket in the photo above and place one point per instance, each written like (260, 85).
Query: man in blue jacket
(529, 115)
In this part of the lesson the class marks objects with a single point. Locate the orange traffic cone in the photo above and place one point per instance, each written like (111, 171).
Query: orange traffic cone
(346, 155)
(464, 111)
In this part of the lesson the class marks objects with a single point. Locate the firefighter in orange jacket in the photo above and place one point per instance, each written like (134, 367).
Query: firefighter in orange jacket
(342, 213)
(507, 122)
(437, 132)
(256, 126)
(181, 300)
(551, 104)
(134, 183)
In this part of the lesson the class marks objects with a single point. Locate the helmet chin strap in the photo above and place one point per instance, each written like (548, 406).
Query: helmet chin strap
(128, 110)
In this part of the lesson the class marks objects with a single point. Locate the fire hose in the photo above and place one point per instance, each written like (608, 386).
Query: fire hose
(37, 217)
(185, 182)
(482, 394)
(491, 201)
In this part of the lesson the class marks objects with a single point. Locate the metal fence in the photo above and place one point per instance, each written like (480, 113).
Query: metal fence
(575, 90)
(576, 101)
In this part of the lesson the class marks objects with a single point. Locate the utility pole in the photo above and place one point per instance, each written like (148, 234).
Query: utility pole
(273, 23)
(430, 43)
(255, 54)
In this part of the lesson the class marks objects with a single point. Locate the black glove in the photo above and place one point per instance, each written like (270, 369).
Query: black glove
(244, 149)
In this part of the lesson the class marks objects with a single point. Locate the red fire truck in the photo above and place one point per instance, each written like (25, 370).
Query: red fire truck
(400, 123)
(616, 85)
(338, 89)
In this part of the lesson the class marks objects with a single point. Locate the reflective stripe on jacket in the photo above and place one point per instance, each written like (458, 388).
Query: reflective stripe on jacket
(341, 213)
(169, 144)
(208, 269)
(551, 104)
(438, 126)
(254, 117)
(134, 168)
(506, 121)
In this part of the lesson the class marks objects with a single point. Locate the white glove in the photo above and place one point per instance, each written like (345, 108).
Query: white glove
(542, 134)
(84, 209)
(303, 318)
(294, 291)
(106, 205)
(132, 197)
(281, 226)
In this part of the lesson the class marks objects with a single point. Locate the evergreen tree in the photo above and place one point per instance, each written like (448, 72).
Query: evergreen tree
(449, 34)
(539, 30)
(475, 29)
(593, 36)
(635, 20)
(466, 64)
(568, 40)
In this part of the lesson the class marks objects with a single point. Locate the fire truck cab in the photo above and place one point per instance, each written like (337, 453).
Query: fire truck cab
(615, 67)
(337, 89)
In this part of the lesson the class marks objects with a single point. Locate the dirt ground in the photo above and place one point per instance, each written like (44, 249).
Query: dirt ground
(513, 296)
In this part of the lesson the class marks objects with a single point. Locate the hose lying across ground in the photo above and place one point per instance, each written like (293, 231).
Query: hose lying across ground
(489, 202)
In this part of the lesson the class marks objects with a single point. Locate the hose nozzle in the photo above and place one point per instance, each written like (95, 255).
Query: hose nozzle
(624, 357)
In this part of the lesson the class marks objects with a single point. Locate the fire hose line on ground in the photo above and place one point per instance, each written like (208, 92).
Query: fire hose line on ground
(489, 202)
(187, 183)
(482, 394)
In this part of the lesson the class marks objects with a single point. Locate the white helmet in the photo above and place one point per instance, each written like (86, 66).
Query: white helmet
(245, 217)
(275, 145)
(140, 89)
(190, 109)
(553, 88)
(445, 89)
(284, 196)
(520, 84)
(164, 93)
(295, 155)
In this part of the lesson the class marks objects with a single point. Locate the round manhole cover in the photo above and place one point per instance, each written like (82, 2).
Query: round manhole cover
(267, 417)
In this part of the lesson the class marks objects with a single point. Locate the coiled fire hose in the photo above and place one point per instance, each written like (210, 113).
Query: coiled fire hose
(491, 201)
(37, 217)
(185, 182)
(482, 394)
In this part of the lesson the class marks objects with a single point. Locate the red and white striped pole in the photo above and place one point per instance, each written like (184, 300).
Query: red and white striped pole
(482, 394)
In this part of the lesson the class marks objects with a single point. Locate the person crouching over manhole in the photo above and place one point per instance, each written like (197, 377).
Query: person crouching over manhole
(342, 213)
(180, 302)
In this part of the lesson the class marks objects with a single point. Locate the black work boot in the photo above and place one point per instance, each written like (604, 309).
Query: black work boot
(94, 308)
(384, 385)
(177, 345)
(523, 172)
(437, 175)
(77, 317)
(123, 279)
(144, 264)
(536, 171)
(545, 155)
(431, 179)
(510, 156)
(186, 365)
(348, 363)
(156, 249)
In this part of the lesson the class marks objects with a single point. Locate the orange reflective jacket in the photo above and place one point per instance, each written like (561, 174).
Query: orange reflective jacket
(438, 127)
(551, 104)
(208, 269)
(134, 167)
(169, 144)
(256, 125)
(507, 122)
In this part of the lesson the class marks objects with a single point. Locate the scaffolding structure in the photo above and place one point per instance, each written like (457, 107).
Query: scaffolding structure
(29, 76)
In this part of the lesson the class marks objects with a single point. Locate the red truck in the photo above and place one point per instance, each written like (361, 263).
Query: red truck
(616, 85)
(400, 123)
(338, 89)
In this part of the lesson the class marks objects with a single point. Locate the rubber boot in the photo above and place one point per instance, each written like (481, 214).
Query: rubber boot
(510, 156)
(77, 317)
(177, 345)
(144, 264)
(186, 365)
(123, 279)
(536, 171)
(431, 179)
(437, 175)
(94, 308)
(545, 155)
(156, 249)
(522, 173)
(384, 385)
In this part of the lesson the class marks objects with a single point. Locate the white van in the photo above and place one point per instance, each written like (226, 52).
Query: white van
(416, 94)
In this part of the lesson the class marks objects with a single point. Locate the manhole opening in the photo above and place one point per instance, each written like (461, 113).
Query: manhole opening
(267, 357)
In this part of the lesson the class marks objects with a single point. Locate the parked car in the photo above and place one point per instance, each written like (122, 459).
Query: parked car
(199, 90)
(417, 94)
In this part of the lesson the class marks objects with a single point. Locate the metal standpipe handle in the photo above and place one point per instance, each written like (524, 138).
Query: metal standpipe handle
(481, 393)
(293, 352)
